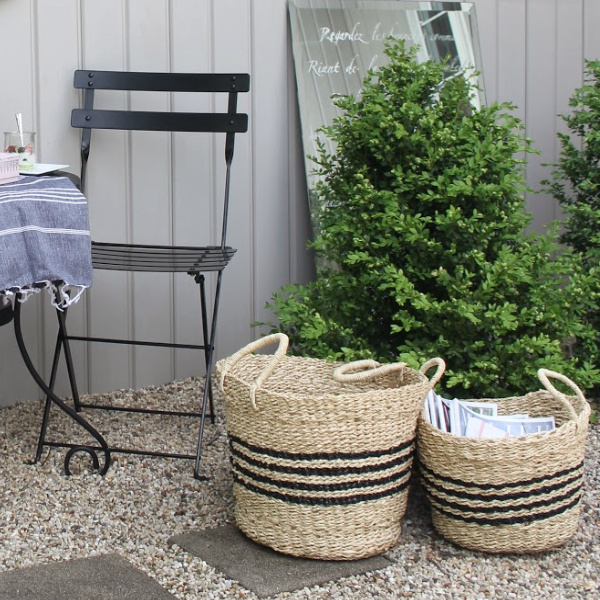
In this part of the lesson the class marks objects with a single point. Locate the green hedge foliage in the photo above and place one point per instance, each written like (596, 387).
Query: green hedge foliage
(422, 245)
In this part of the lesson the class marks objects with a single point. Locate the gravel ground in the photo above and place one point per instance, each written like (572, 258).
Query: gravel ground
(142, 502)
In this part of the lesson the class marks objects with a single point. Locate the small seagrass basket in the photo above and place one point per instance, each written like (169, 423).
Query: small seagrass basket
(511, 495)
(321, 452)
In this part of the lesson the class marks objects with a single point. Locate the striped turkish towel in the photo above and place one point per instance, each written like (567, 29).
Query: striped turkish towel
(44, 239)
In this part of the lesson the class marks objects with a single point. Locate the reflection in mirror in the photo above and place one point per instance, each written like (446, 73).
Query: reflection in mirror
(336, 42)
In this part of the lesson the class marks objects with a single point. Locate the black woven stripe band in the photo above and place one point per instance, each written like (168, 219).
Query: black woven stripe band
(528, 518)
(321, 487)
(576, 491)
(322, 471)
(497, 486)
(322, 455)
(462, 494)
(330, 501)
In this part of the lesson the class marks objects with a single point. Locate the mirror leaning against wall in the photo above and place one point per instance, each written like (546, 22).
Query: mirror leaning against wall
(336, 42)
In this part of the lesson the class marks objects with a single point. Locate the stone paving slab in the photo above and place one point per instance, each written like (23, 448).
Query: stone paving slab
(107, 577)
(262, 570)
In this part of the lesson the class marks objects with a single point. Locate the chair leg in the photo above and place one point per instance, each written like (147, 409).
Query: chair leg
(200, 280)
(209, 366)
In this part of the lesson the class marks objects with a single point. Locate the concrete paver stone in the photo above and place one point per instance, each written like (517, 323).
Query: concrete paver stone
(106, 577)
(262, 570)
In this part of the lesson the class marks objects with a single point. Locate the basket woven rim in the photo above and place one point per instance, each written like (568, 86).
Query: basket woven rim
(432, 430)
(350, 392)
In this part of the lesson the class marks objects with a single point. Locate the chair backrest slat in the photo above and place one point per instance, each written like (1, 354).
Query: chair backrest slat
(162, 82)
(159, 121)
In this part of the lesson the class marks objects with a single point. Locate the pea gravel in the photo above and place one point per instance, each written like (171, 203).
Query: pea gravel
(142, 502)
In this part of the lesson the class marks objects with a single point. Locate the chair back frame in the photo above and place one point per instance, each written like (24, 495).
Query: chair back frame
(230, 122)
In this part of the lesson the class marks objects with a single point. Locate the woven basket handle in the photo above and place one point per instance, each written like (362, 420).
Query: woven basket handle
(545, 374)
(441, 367)
(280, 338)
(364, 370)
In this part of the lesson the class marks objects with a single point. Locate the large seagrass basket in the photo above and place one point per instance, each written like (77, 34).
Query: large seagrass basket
(321, 452)
(511, 495)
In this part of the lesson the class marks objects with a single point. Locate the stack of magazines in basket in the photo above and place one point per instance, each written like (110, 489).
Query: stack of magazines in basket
(480, 419)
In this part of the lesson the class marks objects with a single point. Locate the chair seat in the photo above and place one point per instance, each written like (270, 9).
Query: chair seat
(167, 259)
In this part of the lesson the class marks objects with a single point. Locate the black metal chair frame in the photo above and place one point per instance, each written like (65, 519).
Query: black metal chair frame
(195, 261)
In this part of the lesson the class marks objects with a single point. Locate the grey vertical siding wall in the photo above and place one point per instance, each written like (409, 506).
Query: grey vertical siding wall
(532, 53)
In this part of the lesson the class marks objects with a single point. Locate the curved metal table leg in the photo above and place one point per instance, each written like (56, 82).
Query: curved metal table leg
(62, 405)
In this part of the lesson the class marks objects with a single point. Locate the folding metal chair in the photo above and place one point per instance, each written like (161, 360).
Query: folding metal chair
(194, 261)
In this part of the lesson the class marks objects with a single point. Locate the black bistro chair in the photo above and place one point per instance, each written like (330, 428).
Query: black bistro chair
(196, 261)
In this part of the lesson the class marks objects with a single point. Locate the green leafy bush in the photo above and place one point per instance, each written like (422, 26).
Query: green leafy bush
(576, 178)
(575, 184)
(422, 238)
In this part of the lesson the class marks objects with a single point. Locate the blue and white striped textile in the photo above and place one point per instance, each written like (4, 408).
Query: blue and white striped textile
(44, 239)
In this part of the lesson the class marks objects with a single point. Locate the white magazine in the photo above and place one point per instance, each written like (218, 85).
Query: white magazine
(456, 423)
(496, 427)
(432, 408)
(480, 419)
(426, 407)
(489, 409)
(443, 414)
(462, 410)
(483, 428)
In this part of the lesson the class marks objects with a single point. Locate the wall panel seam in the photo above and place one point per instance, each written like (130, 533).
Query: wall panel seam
(253, 191)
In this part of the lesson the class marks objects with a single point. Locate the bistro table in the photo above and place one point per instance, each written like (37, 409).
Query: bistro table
(45, 246)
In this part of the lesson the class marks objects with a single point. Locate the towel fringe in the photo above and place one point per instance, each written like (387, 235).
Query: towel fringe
(62, 295)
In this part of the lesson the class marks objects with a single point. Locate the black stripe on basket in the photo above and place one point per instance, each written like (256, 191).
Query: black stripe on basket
(576, 491)
(322, 471)
(496, 486)
(329, 501)
(429, 481)
(528, 518)
(321, 487)
(322, 455)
